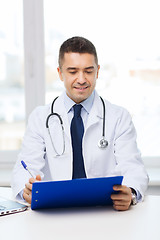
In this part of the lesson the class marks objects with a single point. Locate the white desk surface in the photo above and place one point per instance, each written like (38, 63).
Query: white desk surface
(141, 222)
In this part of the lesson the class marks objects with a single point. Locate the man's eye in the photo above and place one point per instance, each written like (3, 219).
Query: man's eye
(73, 72)
(89, 72)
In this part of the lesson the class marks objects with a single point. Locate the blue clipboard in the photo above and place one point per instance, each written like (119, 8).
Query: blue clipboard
(74, 193)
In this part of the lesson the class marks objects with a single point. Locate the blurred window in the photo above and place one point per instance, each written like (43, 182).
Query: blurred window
(12, 110)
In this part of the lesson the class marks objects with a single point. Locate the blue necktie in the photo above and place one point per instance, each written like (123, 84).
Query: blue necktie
(77, 130)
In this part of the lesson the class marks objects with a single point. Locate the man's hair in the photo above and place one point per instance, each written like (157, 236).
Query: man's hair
(77, 45)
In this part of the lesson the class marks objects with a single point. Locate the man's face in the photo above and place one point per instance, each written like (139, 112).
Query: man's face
(79, 73)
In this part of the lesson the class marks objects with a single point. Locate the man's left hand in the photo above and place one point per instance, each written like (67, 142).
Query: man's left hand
(123, 199)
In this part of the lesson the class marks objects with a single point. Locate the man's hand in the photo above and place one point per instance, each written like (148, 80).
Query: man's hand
(123, 199)
(27, 192)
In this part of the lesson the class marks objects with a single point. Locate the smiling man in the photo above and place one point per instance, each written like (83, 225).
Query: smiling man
(79, 73)
(78, 155)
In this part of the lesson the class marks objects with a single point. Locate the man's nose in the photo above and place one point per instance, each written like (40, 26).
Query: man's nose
(81, 78)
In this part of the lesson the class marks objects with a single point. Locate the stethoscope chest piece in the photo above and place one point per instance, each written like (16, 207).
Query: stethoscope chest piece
(103, 143)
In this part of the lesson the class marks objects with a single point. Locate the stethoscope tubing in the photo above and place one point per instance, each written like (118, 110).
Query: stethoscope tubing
(103, 143)
(104, 117)
(61, 123)
(53, 114)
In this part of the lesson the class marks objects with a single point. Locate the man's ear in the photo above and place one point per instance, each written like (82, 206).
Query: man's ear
(60, 73)
(98, 71)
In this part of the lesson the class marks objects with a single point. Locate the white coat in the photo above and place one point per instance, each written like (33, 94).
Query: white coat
(121, 157)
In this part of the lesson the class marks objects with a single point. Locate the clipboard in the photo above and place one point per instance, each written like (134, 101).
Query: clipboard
(74, 193)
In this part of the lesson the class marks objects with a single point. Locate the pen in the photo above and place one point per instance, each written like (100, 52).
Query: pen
(26, 168)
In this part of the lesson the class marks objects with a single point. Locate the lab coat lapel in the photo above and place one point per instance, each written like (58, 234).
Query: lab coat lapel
(61, 166)
(96, 113)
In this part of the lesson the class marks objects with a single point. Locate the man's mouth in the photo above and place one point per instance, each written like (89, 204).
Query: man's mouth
(81, 88)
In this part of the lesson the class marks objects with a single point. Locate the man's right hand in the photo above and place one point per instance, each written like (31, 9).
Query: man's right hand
(27, 192)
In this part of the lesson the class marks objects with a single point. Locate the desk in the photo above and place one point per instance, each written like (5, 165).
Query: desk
(141, 222)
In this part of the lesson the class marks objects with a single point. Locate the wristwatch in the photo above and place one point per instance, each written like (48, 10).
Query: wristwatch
(134, 197)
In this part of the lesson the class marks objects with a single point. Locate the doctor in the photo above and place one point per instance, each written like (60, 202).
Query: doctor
(57, 157)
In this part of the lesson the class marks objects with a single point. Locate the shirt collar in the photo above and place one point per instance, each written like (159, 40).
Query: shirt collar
(87, 104)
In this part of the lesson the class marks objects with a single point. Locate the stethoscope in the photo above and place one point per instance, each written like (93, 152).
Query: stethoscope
(102, 143)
